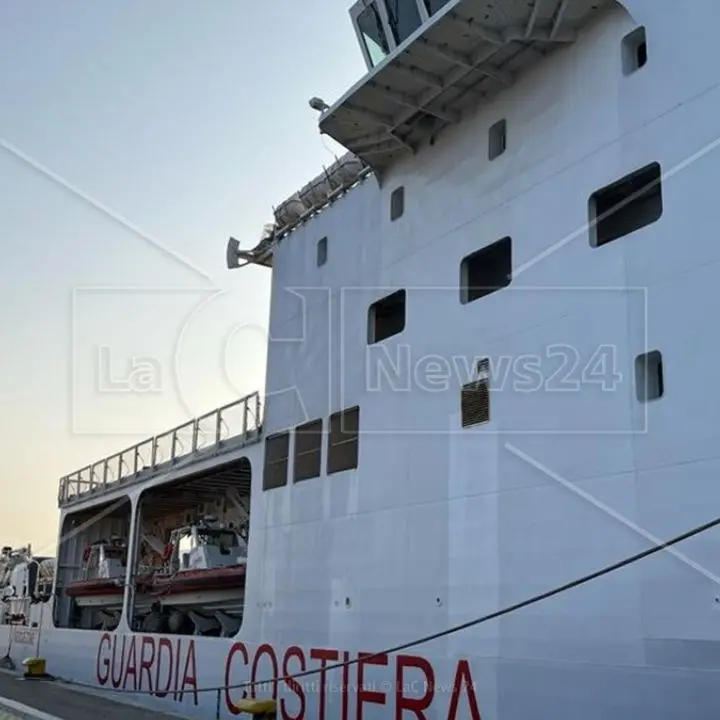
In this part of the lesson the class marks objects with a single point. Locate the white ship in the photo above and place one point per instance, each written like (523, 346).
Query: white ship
(488, 375)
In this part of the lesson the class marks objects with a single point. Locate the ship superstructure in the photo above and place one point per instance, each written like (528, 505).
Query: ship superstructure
(488, 375)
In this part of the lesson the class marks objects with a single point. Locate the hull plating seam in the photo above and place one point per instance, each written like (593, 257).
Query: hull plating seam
(457, 628)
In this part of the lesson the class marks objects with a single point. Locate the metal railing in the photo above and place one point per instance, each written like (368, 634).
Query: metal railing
(239, 422)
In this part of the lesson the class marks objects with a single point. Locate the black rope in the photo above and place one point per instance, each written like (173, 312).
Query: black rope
(443, 633)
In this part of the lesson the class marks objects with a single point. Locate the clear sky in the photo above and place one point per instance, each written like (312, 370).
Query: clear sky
(135, 137)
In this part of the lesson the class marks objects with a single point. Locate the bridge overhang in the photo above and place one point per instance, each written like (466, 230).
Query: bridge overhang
(461, 57)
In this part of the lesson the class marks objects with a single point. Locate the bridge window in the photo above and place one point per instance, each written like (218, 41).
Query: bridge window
(627, 205)
(308, 449)
(485, 271)
(322, 252)
(404, 18)
(434, 5)
(386, 317)
(276, 460)
(343, 440)
(373, 36)
(497, 139)
(634, 51)
(649, 380)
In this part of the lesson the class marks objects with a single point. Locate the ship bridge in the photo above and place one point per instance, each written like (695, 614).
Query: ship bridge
(433, 62)
(201, 443)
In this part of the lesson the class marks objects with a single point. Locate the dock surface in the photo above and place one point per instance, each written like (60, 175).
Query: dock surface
(62, 701)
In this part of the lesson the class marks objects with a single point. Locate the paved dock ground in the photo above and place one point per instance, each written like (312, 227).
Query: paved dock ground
(62, 701)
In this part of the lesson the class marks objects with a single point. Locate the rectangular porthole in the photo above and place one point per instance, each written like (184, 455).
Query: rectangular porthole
(497, 139)
(649, 376)
(397, 203)
(322, 252)
(626, 205)
(485, 271)
(634, 51)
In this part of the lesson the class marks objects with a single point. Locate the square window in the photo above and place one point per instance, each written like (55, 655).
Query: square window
(386, 317)
(485, 271)
(625, 206)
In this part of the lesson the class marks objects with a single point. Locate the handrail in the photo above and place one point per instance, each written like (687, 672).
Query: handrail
(239, 420)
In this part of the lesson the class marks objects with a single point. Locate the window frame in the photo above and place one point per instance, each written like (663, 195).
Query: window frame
(466, 287)
(372, 338)
(266, 463)
(301, 430)
(334, 469)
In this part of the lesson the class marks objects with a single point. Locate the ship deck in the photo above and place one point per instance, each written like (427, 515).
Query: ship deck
(54, 700)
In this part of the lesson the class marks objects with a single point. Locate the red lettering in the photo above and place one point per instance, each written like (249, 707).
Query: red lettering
(414, 704)
(363, 695)
(264, 649)
(146, 663)
(117, 680)
(236, 648)
(463, 679)
(178, 647)
(104, 675)
(164, 644)
(190, 673)
(324, 656)
(130, 665)
(345, 688)
(294, 685)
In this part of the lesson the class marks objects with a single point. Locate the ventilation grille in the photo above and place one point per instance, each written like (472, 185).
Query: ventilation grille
(475, 403)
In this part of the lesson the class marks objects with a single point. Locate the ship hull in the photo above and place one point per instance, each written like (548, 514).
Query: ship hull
(170, 672)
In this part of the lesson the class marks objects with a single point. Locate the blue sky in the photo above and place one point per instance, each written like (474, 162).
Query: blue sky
(187, 122)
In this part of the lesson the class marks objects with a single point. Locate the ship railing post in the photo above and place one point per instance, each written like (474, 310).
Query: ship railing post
(195, 432)
(246, 410)
(173, 445)
(257, 413)
(153, 453)
(136, 459)
(218, 427)
(105, 473)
